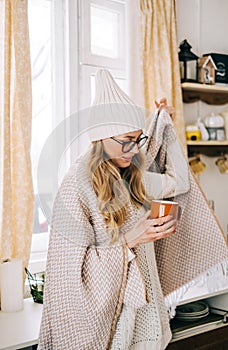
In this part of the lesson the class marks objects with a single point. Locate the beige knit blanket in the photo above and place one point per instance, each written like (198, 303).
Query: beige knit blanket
(88, 280)
(199, 242)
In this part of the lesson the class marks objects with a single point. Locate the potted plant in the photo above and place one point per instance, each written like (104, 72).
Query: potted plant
(36, 284)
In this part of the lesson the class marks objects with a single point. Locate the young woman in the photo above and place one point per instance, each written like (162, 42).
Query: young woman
(102, 288)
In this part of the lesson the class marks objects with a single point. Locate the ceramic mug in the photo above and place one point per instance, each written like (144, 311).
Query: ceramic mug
(161, 208)
(222, 164)
(197, 165)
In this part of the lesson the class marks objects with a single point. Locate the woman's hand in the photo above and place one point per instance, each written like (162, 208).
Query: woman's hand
(149, 230)
(162, 104)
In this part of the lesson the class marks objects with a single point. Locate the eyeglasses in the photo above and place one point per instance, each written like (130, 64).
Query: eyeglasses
(127, 146)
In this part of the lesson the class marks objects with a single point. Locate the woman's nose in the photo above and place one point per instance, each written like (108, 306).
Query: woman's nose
(135, 149)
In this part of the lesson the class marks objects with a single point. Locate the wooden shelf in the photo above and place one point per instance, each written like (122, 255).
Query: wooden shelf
(210, 94)
(209, 148)
(205, 87)
(207, 143)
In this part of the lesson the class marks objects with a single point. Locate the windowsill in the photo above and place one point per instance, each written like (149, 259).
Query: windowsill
(20, 329)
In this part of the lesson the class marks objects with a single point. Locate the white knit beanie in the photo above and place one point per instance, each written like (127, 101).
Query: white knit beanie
(113, 113)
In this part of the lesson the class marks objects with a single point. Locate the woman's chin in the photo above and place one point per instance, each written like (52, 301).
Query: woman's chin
(122, 162)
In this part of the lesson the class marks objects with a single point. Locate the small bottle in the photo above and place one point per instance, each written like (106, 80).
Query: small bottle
(192, 133)
(203, 130)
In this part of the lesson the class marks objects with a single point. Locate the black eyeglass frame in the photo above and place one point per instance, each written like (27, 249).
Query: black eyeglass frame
(132, 143)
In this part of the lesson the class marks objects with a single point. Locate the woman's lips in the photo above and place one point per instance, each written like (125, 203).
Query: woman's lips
(127, 159)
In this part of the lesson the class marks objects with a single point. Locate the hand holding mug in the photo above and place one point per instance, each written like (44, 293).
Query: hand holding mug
(149, 230)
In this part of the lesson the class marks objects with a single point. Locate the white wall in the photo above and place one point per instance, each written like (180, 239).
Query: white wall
(204, 23)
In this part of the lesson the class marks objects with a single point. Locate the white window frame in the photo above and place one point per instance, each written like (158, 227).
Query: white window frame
(87, 58)
(59, 20)
(90, 63)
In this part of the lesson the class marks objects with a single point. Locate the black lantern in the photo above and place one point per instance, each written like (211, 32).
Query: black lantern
(188, 63)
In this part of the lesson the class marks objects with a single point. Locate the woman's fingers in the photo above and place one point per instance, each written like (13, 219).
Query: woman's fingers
(162, 227)
(162, 220)
(155, 234)
(162, 104)
(166, 227)
(162, 101)
(149, 230)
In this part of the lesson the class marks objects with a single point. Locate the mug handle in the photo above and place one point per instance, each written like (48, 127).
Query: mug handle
(179, 213)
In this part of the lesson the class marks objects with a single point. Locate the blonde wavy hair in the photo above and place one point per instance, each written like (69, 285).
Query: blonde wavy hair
(115, 188)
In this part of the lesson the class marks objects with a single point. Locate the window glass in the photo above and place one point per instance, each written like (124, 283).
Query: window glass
(104, 31)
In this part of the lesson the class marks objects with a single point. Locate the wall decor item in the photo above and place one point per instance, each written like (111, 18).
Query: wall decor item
(188, 63)
(206, 70)
(221, 62)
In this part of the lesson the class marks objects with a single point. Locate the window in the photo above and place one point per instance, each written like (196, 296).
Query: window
(101, 45)
(69, 41)
(104, 45)
(102, 33)
(102, 42)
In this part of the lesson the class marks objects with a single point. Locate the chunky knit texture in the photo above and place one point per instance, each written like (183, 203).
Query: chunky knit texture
(113, 112)
(94, 298)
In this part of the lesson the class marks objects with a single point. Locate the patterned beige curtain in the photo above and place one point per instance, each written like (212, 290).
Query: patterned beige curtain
(16, 190)
(160, 58)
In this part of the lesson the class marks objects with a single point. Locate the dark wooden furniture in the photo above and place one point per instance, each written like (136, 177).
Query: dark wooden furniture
(216, 339)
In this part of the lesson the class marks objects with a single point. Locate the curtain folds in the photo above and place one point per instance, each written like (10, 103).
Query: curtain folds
(16, 189)
(160, 58)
